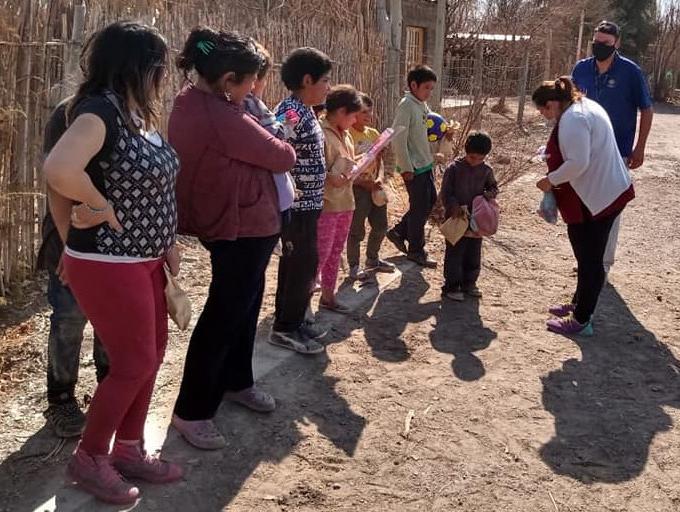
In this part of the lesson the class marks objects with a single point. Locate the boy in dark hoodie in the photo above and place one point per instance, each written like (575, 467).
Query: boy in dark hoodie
(465, 179)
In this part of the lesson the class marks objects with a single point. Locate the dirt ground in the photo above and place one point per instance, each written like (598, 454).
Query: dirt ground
(505, 416)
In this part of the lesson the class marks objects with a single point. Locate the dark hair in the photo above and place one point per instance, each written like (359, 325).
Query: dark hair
(478, 143)
(608, 27)
(319, 109)
(301, 62)
(421, 74)
(562, 90)
(213, 54)
(266, 61)
(128, 59)
(366, 100)
(343, 96)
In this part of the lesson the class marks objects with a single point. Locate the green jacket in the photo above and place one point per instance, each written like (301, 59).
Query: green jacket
(411, 147)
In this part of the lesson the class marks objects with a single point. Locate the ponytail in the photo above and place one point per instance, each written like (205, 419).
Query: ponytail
(562, 90)
(213, 54)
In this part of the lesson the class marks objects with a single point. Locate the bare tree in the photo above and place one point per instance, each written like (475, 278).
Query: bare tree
(665, 46)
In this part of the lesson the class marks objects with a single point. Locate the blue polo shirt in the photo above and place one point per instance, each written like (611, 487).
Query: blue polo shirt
(622, 91)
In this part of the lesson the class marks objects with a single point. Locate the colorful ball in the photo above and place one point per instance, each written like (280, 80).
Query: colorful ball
(436, 127)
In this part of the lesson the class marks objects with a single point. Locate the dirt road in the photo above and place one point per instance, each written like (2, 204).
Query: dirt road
(505, 416)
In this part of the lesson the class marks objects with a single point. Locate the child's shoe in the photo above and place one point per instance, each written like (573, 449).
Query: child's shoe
(455, 296)
(473, 291)
(569, 326)
(561, 310)
(96, 475)
(133, 462)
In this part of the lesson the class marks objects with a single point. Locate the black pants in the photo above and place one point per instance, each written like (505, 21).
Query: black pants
(462, 264)
(422, 194)
(63, 345)
(589, 242)
(297, 270)
(377, 219)
(220, 352)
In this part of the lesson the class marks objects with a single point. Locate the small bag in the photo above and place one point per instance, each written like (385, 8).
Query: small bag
(547, 209)
(454, 228)
(486, 214)
(178, 303)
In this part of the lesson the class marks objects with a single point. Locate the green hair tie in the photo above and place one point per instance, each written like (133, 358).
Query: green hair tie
(206, 46)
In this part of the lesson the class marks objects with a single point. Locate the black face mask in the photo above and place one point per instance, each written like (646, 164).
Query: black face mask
(602, 51)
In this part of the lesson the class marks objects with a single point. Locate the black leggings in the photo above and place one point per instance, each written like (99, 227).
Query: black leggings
(589, 242)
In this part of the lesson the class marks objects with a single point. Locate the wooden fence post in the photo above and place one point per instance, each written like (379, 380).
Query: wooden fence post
(438, 59)
(478, 85)
(547, 64)
(522, 94)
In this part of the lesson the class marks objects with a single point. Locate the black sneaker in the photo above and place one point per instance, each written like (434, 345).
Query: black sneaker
(397, 240)
(422, 260)
(296, 341)
(66, 419)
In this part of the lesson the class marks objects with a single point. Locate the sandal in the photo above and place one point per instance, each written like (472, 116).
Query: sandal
(202, 434)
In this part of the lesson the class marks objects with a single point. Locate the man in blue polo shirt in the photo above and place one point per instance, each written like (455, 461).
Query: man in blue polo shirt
(619, 85)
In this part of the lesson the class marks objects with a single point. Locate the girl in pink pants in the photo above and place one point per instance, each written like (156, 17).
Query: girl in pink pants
(342, 105)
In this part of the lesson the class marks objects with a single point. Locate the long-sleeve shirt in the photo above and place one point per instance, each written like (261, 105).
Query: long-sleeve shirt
(309, 171)
(411, 147)
(462, 183)
(592, 163)
(285, 186)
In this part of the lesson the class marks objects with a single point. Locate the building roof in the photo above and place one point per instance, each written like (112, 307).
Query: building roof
(491, 37)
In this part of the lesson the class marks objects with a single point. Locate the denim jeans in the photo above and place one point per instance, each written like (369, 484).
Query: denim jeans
(67, 323)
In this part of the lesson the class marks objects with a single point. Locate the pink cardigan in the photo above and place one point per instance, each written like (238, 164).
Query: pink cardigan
(225, 188)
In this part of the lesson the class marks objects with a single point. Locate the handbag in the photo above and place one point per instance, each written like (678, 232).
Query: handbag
(454, 228)
(178, 303)
(485, 216)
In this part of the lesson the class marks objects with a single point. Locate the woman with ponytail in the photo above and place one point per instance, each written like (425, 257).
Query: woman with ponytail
(111, 178)
(227, 198)
(592, 186)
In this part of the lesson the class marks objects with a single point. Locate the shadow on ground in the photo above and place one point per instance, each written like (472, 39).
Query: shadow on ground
(460, 331)
(609, 405)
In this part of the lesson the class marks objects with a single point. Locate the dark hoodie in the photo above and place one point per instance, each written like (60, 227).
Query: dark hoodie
(462, 183)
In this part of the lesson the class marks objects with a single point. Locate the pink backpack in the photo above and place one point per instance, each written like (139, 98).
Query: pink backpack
(485, 216)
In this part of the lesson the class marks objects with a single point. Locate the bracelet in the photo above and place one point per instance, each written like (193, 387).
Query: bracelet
(97, 210)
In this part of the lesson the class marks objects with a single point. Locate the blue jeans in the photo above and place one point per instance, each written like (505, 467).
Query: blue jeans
(67, 323)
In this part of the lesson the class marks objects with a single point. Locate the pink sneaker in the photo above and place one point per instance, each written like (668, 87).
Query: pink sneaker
(96, 475)
(202, 434)
(561, 310)
(134, 463)
(570, 327)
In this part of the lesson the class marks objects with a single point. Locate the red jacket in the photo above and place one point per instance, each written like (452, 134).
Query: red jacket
(225, 188)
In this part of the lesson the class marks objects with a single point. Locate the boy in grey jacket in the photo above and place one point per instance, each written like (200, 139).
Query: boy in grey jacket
(415, 163)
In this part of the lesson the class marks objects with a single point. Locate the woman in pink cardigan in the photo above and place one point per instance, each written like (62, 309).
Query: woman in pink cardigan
(227, 198)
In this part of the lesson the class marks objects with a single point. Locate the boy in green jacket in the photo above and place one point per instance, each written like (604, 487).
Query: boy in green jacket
(415, 163)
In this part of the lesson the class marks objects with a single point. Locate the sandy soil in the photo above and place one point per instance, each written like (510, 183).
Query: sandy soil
(505, 416)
